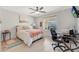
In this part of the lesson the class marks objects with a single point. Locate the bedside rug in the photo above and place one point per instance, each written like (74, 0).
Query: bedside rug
(11, 43)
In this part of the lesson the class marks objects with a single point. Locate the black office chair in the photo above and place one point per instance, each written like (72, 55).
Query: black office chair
(56, 39)
(73, 35)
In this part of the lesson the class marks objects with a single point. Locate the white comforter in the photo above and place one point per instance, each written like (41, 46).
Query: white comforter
(25, 36)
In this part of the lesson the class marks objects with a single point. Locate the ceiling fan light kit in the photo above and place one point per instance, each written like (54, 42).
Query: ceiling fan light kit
(37, 10)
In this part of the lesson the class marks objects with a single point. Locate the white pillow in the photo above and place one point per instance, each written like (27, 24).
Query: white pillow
(24, 27)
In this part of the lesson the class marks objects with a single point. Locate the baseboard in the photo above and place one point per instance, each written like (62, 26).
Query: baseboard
(8, 39)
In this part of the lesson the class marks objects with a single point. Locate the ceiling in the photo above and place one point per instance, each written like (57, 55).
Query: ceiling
(27, 11)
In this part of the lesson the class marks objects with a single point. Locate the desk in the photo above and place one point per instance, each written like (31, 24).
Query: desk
(64, 39)
(68, 48)
(70, 39)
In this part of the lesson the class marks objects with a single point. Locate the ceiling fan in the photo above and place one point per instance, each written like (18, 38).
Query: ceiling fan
(37, 10)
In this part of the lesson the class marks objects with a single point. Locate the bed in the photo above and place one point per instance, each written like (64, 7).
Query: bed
(28, 34)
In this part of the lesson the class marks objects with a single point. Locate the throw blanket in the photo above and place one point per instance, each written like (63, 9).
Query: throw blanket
(35, 32)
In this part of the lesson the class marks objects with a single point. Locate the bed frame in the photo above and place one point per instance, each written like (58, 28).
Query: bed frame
(22, 40)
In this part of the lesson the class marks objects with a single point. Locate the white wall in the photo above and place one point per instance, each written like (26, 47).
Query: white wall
(77, 24)
(0, 31)
(64, 19)
(10, 20)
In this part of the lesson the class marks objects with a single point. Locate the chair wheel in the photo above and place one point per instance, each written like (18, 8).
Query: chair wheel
(54, 48)
(58, 47)
(62, 46)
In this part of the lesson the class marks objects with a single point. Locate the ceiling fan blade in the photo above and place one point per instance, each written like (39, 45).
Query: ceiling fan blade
(41, 8)
(37, 8)
(42, 11)
(32, 9)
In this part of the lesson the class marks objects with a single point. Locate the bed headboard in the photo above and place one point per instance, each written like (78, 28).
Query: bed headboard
(23, 27)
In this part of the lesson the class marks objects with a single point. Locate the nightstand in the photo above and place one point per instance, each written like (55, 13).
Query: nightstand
(4, 34)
